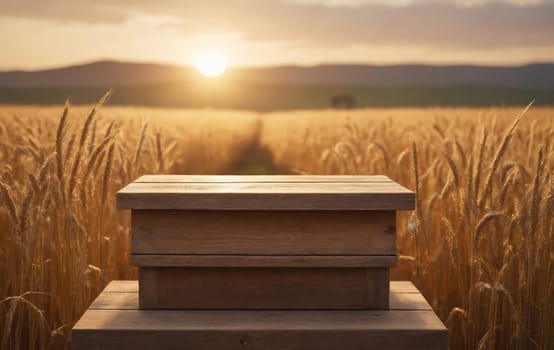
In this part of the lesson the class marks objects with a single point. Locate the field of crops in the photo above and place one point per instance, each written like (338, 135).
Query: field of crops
(479, 245)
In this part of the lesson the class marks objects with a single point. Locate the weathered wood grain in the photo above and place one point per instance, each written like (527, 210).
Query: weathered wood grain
(227, 337)
(262, 319)
(122, 286)
(263, 178)
(265, 193)
(397, 290)
(148, 287)
(118, 325)
(263, 288)
(131, 286)
(404, 301)
(123, 295)
(263, 232)
(332, 261)
(405, 287)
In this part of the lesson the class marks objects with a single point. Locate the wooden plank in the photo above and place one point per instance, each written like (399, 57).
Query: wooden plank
(122, 286)
(114, 322)
(148, 287)
(285, 188)
(265, 288)
(211, 195)
(263, 319)
(404, 287)
(407, 301)
(263, 178)
(288, 330)
(263, 232)
(131, 286)
(129, 301)
(265, 339)
(116, 301)
(377, 283)
(263, 201)
(334, 261)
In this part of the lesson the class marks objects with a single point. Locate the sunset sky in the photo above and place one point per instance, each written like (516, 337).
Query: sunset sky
(42, 34)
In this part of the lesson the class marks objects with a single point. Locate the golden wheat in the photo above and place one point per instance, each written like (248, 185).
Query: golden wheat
(479, 244)
(61, 238)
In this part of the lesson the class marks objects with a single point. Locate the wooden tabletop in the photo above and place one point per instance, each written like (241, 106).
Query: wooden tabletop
(276, 192)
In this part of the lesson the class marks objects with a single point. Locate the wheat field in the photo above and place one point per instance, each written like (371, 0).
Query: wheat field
(479, 245)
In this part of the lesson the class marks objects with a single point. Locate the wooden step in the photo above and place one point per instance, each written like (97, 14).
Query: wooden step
(264, 282)
(114, 321)
(264, 288)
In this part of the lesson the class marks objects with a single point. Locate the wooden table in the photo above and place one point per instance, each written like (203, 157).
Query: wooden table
(262, 262)
(264, 242)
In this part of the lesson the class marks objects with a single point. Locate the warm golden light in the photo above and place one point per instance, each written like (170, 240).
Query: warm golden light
(211, 63)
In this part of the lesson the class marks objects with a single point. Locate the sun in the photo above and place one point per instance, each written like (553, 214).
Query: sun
(211, 63)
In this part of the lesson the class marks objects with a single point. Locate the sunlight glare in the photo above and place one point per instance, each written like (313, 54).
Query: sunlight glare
(211, 63)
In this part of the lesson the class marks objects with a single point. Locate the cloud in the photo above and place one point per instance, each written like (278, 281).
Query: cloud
(519, 3)
(332, 24)
(61, 10)
(400, 3)
(352, 3)
(434, 25)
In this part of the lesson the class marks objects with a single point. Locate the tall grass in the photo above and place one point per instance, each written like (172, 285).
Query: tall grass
(61, 237)
(480, 243)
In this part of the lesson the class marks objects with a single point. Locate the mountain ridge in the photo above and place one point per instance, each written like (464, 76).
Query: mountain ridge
(109, 73)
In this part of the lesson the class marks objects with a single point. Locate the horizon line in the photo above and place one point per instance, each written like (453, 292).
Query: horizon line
(269, 66)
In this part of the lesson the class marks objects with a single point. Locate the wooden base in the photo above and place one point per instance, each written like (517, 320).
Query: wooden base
(114, 322)
(264, 288)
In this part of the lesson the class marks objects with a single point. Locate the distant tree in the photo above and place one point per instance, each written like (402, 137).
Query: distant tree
(343, 101)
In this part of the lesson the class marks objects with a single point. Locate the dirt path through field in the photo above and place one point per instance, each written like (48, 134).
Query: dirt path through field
(257, 159)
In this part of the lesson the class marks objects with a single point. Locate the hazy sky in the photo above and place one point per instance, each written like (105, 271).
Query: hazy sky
(50, 33)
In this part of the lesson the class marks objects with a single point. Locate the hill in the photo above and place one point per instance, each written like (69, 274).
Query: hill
(99, 74)
(287, 87)
(112, 73)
